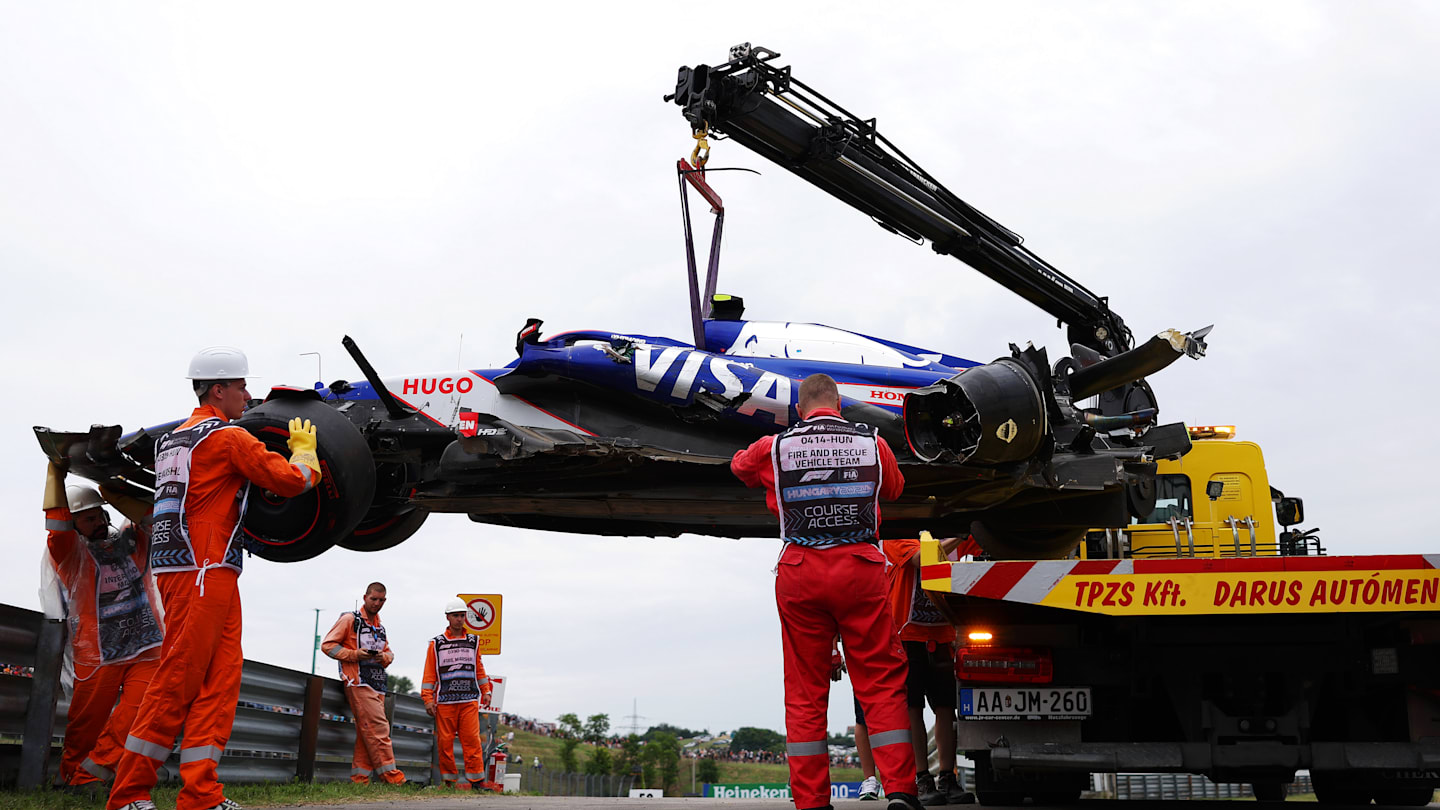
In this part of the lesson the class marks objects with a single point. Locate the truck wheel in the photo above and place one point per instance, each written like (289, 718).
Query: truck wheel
(1271, 790)
(1404, 796)
(1337, 788)
(299, 528)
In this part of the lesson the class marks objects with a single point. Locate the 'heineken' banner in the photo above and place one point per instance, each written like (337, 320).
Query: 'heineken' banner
(776, 790)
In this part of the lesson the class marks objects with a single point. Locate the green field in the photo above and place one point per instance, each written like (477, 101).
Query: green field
(246, 795)
(527, 746)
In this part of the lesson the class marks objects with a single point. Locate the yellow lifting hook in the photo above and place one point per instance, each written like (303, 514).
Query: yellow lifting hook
(701, 154)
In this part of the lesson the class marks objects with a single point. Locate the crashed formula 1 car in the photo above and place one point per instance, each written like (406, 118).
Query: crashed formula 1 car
(619, 434)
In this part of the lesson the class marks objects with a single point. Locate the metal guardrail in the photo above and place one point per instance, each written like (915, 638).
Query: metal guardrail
(288, 724)
(552, 783)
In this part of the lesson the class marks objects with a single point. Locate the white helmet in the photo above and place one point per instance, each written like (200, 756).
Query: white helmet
(81, 498)
(456, 605)
(218, 363)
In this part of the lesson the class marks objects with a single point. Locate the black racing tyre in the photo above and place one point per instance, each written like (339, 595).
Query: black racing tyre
(1140, 496)
(1026, 544)
(385, 528)
(1404, 796)
(299, 528)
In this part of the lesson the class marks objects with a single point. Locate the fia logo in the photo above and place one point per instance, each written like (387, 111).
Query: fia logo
(817, 475)
(850, 475)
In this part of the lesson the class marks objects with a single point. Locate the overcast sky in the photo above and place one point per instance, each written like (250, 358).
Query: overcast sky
(277, 175)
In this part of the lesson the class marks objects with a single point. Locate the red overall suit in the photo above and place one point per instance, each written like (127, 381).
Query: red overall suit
(198, 682)
(457, 713)
(821, 592)
(110, 663)
(364, 690)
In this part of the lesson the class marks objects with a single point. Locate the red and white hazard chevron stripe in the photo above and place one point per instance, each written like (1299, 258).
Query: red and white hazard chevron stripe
(1036, 582)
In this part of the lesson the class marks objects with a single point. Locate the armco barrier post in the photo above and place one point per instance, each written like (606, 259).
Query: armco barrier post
(435, 776)
(310, 729)
(40, 713)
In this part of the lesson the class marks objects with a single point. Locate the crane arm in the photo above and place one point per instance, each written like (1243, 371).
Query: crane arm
(783, 120)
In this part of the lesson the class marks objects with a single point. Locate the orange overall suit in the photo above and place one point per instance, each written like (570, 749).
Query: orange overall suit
(365, 692)
(203, 468)
(454, 685)
(116, 629)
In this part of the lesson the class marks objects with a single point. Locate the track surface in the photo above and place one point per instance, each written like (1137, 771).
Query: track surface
(576, 803)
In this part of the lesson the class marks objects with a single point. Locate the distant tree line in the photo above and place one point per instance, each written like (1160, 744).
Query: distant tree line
(653, 757)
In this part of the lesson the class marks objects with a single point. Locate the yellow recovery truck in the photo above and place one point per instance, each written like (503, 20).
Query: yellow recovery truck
(1200, 640)
(1196, 639)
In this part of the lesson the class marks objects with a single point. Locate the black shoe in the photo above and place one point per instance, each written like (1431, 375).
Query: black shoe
(954, 794)
(927, 793)
(902, 801)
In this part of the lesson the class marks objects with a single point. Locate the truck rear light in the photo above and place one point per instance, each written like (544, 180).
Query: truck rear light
(1004, 665)
(981, 637)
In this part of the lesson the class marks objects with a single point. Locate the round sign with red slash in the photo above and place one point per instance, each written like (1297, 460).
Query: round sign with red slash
(483, 620)
(480, 615)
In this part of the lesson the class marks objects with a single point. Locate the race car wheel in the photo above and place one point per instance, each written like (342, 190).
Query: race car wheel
(1025, 544)
(299, 528)
(382, 529)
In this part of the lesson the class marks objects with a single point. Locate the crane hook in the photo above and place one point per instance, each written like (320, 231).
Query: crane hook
(701, 155)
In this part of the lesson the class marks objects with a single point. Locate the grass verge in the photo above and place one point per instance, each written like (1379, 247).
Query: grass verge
(269, 795)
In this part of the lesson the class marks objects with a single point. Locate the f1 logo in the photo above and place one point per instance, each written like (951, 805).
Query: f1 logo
(816, 475)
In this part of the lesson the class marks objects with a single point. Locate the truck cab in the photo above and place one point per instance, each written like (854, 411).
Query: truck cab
(1215, 501)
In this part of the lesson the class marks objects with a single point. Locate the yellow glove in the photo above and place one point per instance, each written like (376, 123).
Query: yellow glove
(54, 488)
(302, 444)
(136, 510)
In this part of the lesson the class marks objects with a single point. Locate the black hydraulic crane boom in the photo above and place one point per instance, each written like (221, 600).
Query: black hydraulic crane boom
(777, 116)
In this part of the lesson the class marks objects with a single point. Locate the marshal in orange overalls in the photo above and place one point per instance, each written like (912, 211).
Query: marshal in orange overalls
(454, 684)
(198, 573)
(116, 631)
(365, 691)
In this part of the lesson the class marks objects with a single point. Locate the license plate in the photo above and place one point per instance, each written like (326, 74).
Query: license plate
(1071, 703)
